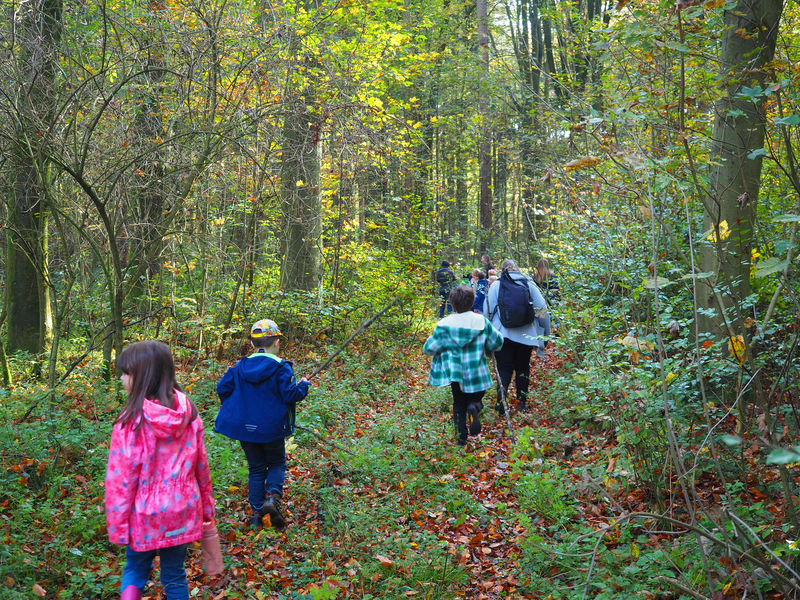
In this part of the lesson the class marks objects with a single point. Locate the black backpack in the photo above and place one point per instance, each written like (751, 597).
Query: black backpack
(514, 301)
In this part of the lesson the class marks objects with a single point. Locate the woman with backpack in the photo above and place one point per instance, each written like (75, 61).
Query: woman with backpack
(446, 280)
(515, 306)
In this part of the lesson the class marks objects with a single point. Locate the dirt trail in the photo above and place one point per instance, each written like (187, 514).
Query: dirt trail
(485, 546)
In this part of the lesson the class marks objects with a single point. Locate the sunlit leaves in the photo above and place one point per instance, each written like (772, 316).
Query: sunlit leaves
(737, 348)
(724, 232)
(582, 162)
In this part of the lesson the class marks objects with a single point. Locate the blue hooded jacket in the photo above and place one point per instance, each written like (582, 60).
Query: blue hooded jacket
(258, 397)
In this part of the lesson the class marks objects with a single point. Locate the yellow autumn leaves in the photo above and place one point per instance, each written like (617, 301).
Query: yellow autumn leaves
(738, 349)
(724, 232)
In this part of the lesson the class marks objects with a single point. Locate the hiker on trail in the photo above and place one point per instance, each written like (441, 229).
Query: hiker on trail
(158, 485)
(480, 286)
(258, 395)
(547, 282)
(515, 306)
(446, 280)
(459, 345)
(487, 264)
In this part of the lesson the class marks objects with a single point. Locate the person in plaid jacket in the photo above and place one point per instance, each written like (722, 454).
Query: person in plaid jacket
(459, 345)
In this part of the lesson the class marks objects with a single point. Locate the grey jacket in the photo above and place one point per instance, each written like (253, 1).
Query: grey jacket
(530, 335)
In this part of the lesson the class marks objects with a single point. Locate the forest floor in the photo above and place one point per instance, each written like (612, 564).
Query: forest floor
(381, 503)
(461, 499)
(484, 547)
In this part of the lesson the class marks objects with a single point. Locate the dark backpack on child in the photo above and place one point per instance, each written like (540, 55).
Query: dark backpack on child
(514, 302)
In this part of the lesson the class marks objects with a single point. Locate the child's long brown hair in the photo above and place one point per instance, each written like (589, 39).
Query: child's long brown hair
(543, 272)
(152, 371)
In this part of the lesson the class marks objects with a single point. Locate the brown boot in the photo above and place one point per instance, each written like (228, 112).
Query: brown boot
(272, 507)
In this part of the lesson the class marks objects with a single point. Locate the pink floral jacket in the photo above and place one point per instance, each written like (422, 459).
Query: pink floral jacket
(158, 485)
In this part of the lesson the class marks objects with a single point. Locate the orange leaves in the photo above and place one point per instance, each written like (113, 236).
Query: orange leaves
(582, 162)
(39, 590)
(386, 562)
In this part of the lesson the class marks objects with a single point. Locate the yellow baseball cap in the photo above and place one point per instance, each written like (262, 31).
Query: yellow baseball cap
(265, 328)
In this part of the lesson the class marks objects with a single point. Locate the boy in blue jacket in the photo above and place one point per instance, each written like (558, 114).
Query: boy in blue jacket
(258, 397)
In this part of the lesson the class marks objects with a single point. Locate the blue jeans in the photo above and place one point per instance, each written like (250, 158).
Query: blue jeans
(267, 465)
(173, 573)
(445, 303)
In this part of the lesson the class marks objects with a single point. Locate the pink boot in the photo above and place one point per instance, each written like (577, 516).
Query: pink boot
(131, 593)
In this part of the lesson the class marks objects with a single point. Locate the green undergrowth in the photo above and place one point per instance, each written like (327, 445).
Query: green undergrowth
(607, 455)
(361, 495)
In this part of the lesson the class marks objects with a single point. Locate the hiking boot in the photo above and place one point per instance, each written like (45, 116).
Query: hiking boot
(272, 507)
(255, 520)
(473, 417)
(522, 406)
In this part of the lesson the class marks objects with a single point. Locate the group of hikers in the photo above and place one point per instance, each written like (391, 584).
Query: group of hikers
(506, 315)
(158, 489)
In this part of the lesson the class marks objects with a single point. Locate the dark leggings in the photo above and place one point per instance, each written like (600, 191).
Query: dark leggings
(514, 357)
(461, 400)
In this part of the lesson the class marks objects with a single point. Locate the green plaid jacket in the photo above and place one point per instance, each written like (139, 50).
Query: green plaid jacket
(459, 346)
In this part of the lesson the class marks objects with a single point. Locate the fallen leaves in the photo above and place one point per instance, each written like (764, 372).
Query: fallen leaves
(386, 562)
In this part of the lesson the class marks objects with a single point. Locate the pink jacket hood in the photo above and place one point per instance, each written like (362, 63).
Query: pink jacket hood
(158, 484)
(167, 422)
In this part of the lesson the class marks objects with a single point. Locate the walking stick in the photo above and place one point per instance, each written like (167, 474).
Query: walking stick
(501, 394)
(358, 332)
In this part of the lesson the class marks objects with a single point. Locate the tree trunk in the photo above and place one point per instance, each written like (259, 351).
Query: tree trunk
(485, 146)
(147, 133)
(27, 299)
(500, 187)
(300, 193)
(735, 175)
(547, 34)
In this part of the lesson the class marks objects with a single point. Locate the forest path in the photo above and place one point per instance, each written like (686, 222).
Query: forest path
(380, 500)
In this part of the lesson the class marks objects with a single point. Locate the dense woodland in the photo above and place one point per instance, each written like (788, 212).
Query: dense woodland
(177, 169)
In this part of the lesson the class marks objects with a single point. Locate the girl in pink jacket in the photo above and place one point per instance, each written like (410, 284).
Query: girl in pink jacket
(158, 485)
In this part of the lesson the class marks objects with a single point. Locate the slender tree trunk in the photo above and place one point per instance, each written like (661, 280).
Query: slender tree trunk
(485, 147)
(501, 183)
(5, 371)
(547, 35)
